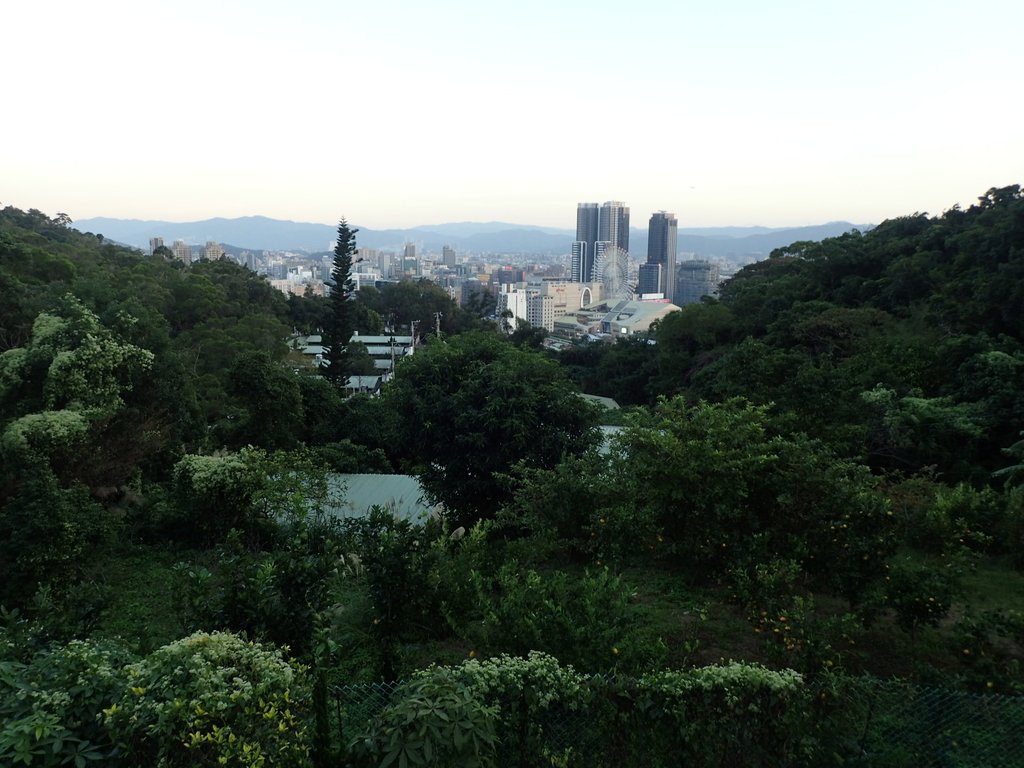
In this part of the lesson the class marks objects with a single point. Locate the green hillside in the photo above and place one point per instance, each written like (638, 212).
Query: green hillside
(818, 477)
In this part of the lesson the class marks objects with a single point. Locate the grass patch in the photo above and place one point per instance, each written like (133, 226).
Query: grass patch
(994, 586)
(140, 581)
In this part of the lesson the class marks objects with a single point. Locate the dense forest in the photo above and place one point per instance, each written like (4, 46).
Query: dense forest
(816, 475)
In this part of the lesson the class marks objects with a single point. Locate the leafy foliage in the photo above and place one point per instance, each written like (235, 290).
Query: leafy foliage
(251, 491)
(588, 621)
(51, 707)
(213, 699)
(725, 491)
(730, 714)
(47, 534)
(435, 720)
(471, 409)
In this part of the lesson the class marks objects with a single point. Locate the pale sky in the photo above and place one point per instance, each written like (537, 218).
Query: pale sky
(395, 114)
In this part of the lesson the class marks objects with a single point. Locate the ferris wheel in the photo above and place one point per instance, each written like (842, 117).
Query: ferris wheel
(612, 271)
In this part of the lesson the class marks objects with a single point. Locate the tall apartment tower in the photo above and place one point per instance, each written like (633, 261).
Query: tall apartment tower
(213, 251)
(154, 243)
(614, 228)
(661, 250)
(182, 251)
(448, 254)
(597, 228)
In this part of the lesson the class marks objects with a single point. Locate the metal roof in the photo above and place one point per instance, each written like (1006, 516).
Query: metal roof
(402, 494)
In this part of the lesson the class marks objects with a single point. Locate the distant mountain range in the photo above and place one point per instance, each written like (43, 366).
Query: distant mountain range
(258, 233)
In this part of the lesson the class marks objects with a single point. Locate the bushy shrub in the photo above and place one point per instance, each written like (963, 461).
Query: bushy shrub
(456, 557)
(724, 715)
(273, 595)
(459, 715)
(395, 557)
(535, 711)
(419, 579)
(791, 629)
(959, 517)
(711, 475)
(435, 719)
(1012, 538)
(213, 699)
(920, 596)
(46, 533)
(574, 510)
(252, 491)
(589, 621)
(990, 648)
(50, 708)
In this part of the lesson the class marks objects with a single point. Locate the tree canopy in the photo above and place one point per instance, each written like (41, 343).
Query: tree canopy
(471, 409)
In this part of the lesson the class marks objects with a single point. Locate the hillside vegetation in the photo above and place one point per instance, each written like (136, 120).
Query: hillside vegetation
(818, 476)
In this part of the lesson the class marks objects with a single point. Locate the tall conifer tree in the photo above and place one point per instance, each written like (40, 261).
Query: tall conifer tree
(341, 322)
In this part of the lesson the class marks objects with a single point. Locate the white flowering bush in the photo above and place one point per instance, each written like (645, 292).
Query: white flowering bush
(732, 714)
(539, 677)
(213, 699)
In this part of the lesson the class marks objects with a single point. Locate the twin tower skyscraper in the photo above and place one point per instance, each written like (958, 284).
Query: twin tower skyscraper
(598, 228)
(602, 227)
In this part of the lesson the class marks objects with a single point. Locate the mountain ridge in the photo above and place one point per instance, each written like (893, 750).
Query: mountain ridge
(264, 233)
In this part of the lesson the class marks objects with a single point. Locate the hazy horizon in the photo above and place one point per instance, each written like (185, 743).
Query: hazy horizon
(395, 114)
(634, 223)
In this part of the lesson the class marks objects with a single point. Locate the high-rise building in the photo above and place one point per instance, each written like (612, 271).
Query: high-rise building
(154, 243)
(540, 310)
(597, 229)
(213, 251)
(661, 249)
(448, 254)
(587, 216)
(695, 279)
(371, 257)
(614, 227)
(512, 300)
(182, 251)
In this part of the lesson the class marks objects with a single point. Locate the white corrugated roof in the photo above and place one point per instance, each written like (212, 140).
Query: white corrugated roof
(403, 494)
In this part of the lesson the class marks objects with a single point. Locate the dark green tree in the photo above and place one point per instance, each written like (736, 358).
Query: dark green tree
(269, 403)
(340, 323)
(471, 409)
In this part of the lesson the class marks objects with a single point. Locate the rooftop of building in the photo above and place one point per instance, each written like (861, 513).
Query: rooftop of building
(402, 494)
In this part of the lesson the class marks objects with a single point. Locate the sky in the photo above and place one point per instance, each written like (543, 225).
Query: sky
(397, 114)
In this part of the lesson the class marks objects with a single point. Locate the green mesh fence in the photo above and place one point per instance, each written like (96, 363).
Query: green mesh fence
(870, 723)
(915, 726)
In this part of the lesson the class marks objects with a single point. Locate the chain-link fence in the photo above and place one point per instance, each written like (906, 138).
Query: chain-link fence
(862, 722)
(898, 724)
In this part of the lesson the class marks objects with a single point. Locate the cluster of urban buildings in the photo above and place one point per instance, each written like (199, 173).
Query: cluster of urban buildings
(597, 289)
(186, 253)
(602, 238)
(613, 297)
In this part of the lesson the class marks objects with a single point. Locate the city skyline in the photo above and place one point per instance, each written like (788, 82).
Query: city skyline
(397, 115)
